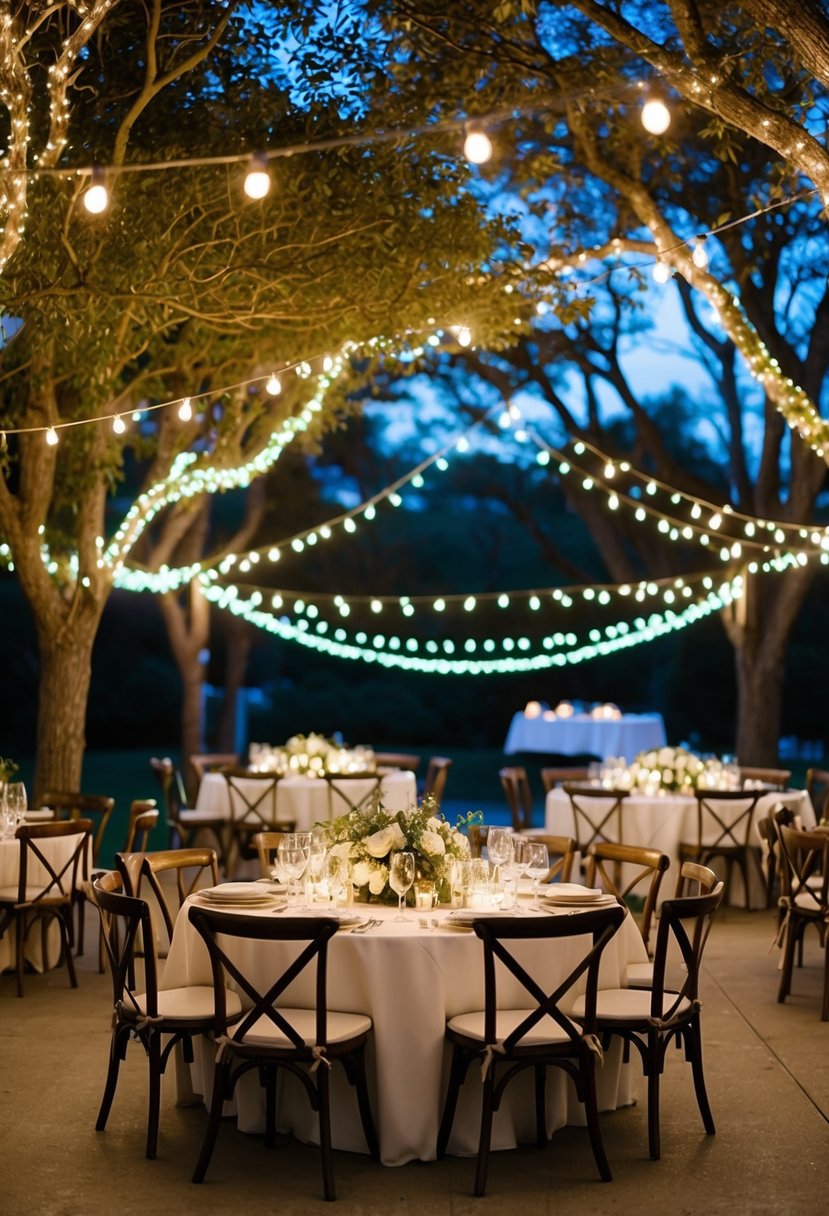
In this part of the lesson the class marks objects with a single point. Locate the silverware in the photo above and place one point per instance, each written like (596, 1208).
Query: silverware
(365, 926)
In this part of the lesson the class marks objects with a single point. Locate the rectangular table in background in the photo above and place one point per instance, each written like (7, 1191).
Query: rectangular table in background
(581, 734)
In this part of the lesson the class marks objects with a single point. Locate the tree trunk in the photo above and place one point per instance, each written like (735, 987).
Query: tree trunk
(759, 698)
(188, 628)
(239, 642)
(63, 692)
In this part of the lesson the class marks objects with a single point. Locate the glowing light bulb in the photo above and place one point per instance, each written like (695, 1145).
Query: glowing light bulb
(258, 180)
(700, 255)
(96, 196)
(477, 147)
(185, 410)
(464, 335)
(52, 437)
(656, 117)
(118, 425)
(661, 272)
(273, 385)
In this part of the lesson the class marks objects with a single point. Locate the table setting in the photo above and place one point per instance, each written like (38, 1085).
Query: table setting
(573, 728)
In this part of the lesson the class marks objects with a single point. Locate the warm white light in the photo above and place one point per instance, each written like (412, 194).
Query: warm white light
(656, 117)
(96, 197)
(464, 336)
(52, 437)
(477, 147)
(258, 180)
(185, 410)
(274, 385)
(700, 255)
(661, 272)
(118, 425)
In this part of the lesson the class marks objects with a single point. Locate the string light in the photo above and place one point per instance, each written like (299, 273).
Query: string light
(52, 437)
(661, 271)
(273, 385)
(700, 255)
(118, 425)
(185, 410)
(656, 117)
(258, 179)
(477, 147)
(96, 196)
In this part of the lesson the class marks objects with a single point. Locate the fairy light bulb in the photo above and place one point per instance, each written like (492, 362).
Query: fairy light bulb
(185, 410)
(700, 255)
(52, 437)
(258, 179)
(464, 335)
(661, 272)
(118, 425)
(96, 196)
(477, 147)
(656, 117)
(273, 385)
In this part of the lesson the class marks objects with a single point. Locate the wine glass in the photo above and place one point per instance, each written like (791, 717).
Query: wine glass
(401, 877)
(338, 875)
(292, 861)
(317, 857)
(515, 864)
(16, 803)
(499, 846)
(7, 820)
(537, 863)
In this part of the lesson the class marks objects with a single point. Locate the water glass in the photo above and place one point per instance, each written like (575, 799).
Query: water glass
(401, 877)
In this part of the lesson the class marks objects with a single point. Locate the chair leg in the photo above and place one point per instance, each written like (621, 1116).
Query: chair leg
(269, 1081)
(154, 1096)
(487, 1101)
(366, 1117)
(788, 960)
(591, 1110)
(693, 1040)
(221, 1073)
(20, 942)
(81, 925)
(824, 1016)
(323, 1095)
(115, 1057)
(64, 917)
(456, 1076)
(654, 1074)
(540, 1105)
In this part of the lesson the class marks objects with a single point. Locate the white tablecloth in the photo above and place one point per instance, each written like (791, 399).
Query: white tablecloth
(58, 851)
(663, 822)
(409, 981)
(583, 735)
(305, 800)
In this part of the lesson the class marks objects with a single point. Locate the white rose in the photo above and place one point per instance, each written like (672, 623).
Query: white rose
(667, 776)
(665, 757)
(432, 844)
(682, 760)
(397, 836)
(361, 874)
(343, 849)
(460, 843)
(433, 824)
(378, 880)
(649, 759)
(379, 843)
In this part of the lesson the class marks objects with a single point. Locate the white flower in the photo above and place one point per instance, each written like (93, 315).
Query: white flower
(648, 759)
(378, 844)
(460, 843)
(665, 756)
(432, 843)
(667, 776)
(378, 879)
(433, 824)
(361, 873)
(343, 849)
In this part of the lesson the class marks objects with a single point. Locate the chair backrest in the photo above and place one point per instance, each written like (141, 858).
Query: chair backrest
(351, 791)
(252, 798)
(647, 864)
(684, 924)
(172, 786)
(476, 834)
(804, 872)
(74, 805)
(817, 787)
(725, 818)
(211, 762)
(191, 868)
(143, 818)
(516, 786)
(267, 845)
(56, 880)
(551, 777)
(404, 760)
(694, 879)
(126, 925)
(778, 778)
(436, 774)
(562, 850)
(499, 933)
(261, 989)
(597, 814)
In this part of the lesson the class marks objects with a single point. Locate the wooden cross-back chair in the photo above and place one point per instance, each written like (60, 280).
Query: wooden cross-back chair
(805, 899)
(817, 787)
(597, 815)
(436, 774)
(144, 816)
(518, 793)
(561, 851)
(267, 847)
(351, 791)
(724, 821)
(253, 801)
(402, 760)
(552, 777)
(141, 1012)
(165, 880)
(212, 762)
(183, 822)
(537, 1035)
(605, 868)
(272, 1035)
(45, 889)
(776, 778)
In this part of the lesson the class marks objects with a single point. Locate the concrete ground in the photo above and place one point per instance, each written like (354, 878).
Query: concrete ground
(767, 1069)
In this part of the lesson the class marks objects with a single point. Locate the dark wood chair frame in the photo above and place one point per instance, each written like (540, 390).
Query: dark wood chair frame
(267, 846)
(519, 796)
(717, 836)
(96, 807)
(562, 850)
(402, 760)
(777, 778)
(253, 802)
(144, 815)
(576, 1055)
(338, 788)
(674, 1012)
(651, 865)
(189, 866)
(126, 925)
(805, 901)
(552, 777)
(435, 781)
(310, 1065)
(55, 899)
(817, 787)
(609, 828)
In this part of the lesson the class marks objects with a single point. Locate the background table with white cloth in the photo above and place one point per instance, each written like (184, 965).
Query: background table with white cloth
(307, 800)
(581, 734)
(409, 980)
(664, 821)
(58, 852)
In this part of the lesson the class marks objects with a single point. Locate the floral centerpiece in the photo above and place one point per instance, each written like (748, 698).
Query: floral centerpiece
(311, 756)
(367, 838)
(668, 769)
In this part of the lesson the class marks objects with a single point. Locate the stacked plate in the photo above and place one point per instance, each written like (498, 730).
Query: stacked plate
(238, 894)
(573, 895)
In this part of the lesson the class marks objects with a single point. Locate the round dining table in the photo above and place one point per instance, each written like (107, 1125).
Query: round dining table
(58, 852)
(410, 977)
(309, 800)
(582, 734)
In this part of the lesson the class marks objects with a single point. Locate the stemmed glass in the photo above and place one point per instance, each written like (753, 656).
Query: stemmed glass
(292, 861)
(401, 877)
(516, 864)
(499, 846)
(537, 863)
(16, 804)
(337, 871)
(317, 857)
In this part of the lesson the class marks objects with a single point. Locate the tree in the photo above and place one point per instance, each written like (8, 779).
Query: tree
(180, 290)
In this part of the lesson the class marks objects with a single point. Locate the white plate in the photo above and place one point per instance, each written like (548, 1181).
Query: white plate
(599, 900)
(236, 893)
(465, 916)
